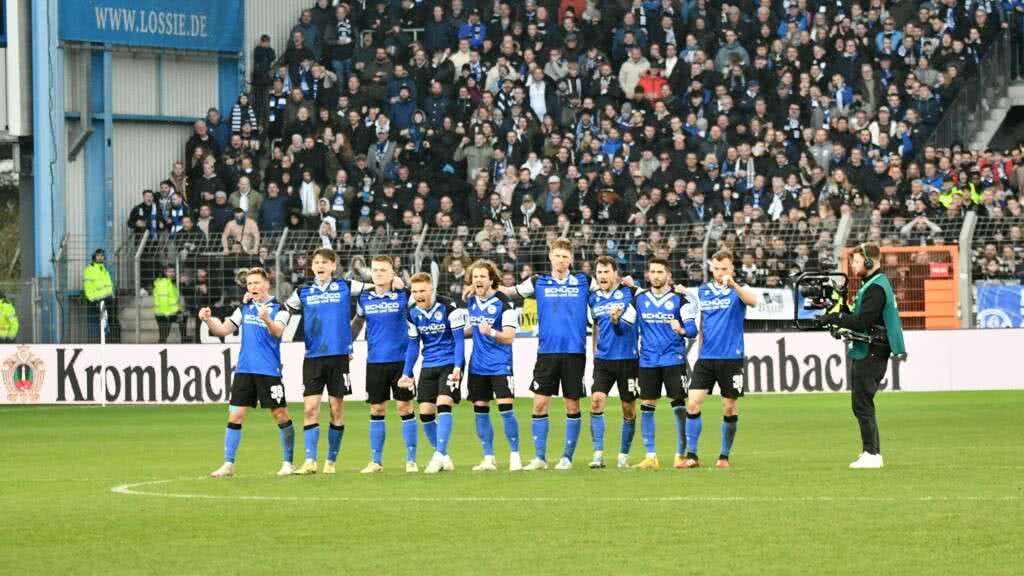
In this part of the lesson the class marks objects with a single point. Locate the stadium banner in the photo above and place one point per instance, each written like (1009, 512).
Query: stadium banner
(184, 24)
(772, 304)
(790, 362)
(528, 318)
(1000, 306)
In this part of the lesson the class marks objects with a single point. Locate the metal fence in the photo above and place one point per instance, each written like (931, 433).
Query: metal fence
(24, 296)
(904, 230)
(207, 274)
(767, 255)
(963, 117)
(76, 319)
(997, 249)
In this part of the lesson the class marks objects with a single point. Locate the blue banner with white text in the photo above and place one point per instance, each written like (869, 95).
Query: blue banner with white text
(1000, 306)
(202, 25)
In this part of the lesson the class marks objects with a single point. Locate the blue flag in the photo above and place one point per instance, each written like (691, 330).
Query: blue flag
(1000, 306)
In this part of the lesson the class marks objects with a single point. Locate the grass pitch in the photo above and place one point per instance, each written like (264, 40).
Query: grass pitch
(950, 500)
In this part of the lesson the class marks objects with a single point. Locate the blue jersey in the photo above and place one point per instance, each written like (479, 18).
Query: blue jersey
(721, 329)
(385, 324)
(441, 330)
(326, 316)
(659, 344)
(614, 341)
(260, 352)
(561, 312)
(491, 358)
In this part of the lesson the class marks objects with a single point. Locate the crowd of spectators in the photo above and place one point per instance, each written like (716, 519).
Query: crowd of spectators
(632, 127)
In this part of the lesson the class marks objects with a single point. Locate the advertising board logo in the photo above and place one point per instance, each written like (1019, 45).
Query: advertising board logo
(994, 318)
(23, 374)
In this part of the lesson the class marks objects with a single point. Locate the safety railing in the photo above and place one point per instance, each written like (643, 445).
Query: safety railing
(963, 117)
(767, 255)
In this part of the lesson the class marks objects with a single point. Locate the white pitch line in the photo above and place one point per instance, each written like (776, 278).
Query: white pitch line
(131, 490)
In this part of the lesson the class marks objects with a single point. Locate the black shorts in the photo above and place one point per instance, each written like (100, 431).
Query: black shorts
(554, 369)
(728, 374)
(621, 373)
(382, 383)
(672, 378)
(246, 389)
(329, 372)
(434, 382)
(487, 388)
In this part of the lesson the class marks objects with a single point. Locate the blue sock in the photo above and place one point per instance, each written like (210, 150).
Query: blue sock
(232, 438)
(540, 436)
(508, 419)
(728, 434)
(597, 430)
(430, 428)
(693, 426)
(334, 435)
(409, 433)
(377, 435)
(287, 432)
(310, 439)
(573, 422)
(628, 431)
(680, 413)
(647, 427)
(444, 428)
(484, 430)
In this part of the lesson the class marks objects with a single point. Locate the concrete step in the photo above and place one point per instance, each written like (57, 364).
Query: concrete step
(1016, 90)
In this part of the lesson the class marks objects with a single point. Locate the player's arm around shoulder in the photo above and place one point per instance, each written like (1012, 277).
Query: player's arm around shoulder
(687, 315)
(294, 302)
(458, 317)
(523, 290)
(509, 321)
(358, 320)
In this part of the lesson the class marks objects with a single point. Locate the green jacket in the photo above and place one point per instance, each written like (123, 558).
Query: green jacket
(969, 189)
(165, 297)
(8, 320)
(96, 282)
(890, 315)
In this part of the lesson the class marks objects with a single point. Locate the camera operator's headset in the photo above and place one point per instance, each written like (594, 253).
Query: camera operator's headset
(869, 263)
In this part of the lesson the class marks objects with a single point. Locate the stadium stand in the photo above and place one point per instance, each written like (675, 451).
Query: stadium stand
(442, 133)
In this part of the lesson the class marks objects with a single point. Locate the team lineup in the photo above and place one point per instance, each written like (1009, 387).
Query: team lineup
(639, 343)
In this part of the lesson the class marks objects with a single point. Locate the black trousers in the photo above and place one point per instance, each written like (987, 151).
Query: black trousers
(164, 326)
(865, 376)
(113, 323)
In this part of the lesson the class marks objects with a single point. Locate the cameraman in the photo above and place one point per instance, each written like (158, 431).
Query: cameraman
(875, 314)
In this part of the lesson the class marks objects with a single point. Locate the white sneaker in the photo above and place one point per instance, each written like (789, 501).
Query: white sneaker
(622, 461)
(597, 461)
(515, 462)
(372, 468)
(436, 464)
(486, 465)
(308, 467)
(536, 464)
(448, 464)
(226, 469)
(867, 461)
(564, 464)
(286, 469)
(411, 466)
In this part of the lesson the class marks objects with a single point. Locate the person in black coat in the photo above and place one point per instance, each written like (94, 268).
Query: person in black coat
(263, 57)
(611, 209)
(698, 212)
